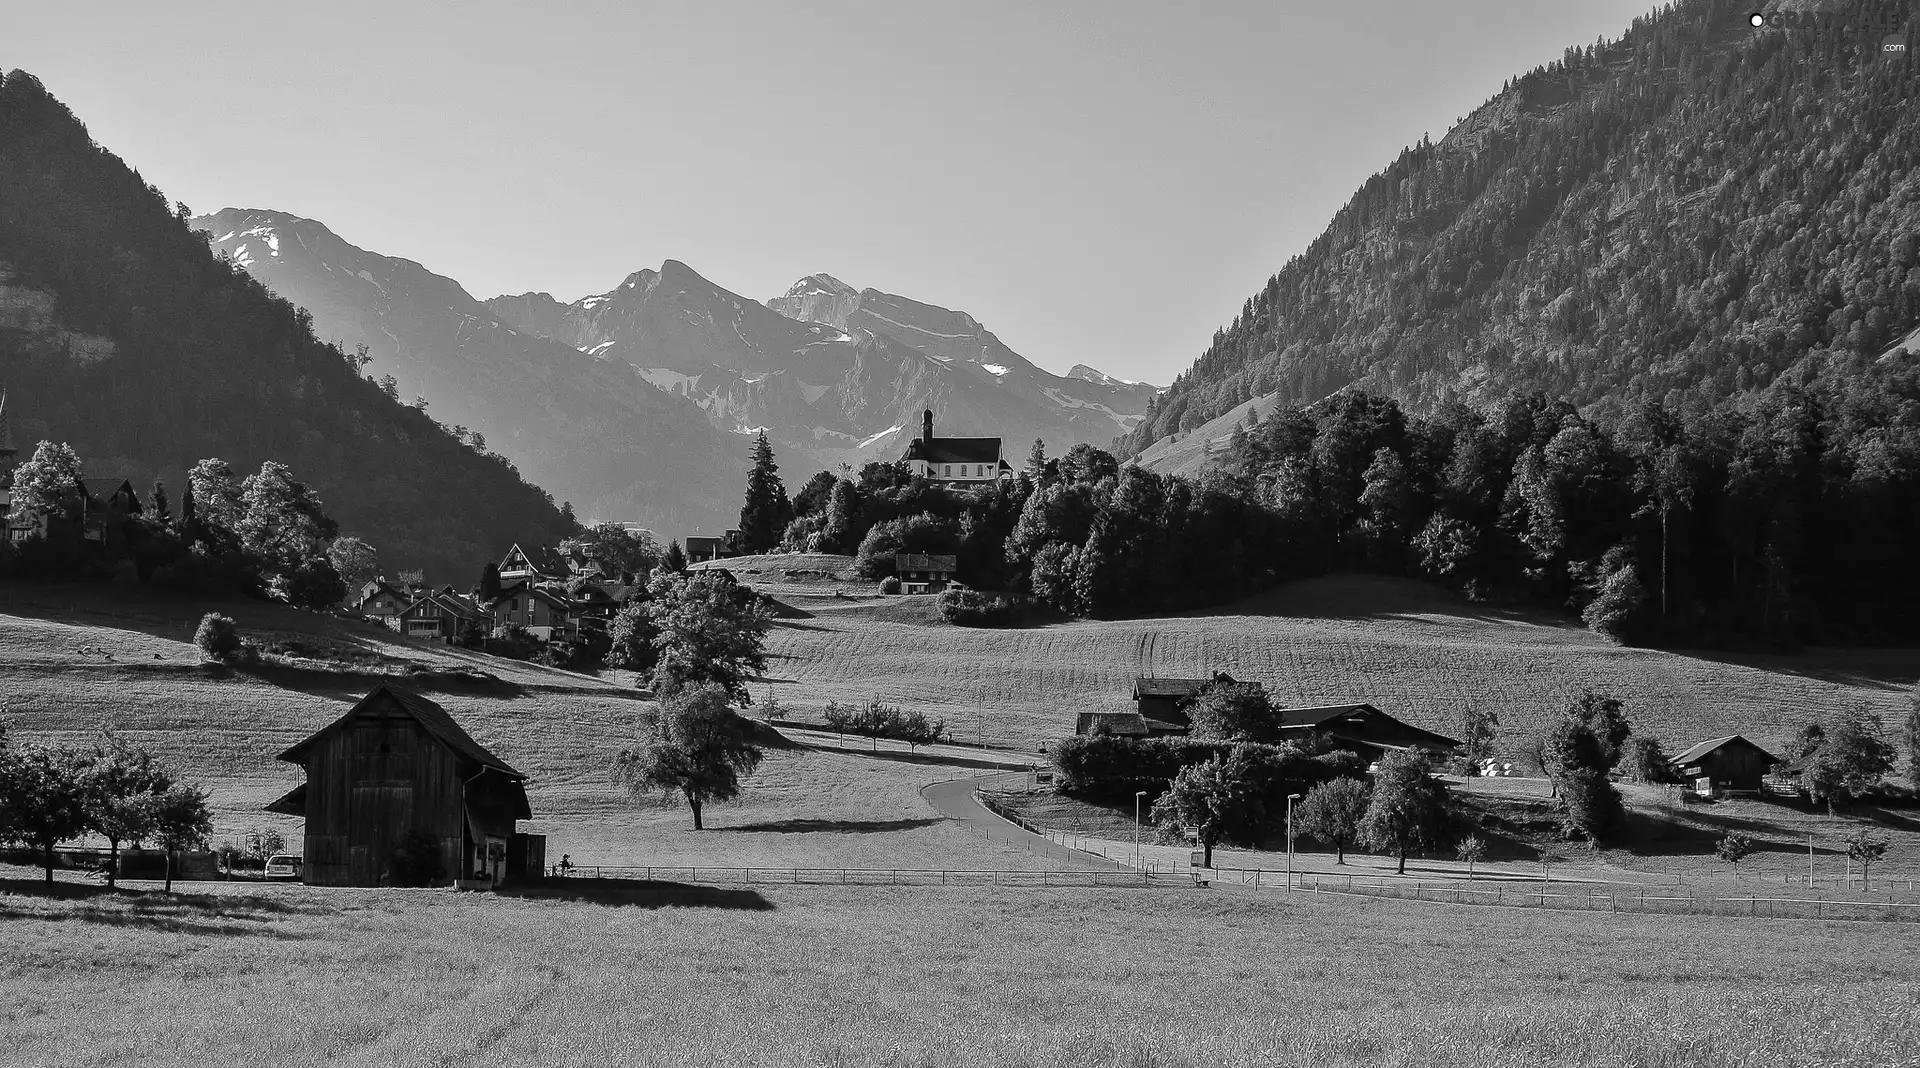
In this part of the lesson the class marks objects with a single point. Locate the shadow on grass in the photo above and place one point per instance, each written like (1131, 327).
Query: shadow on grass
(805, 826)
(156, 910)
(920, 758)
(640, 893)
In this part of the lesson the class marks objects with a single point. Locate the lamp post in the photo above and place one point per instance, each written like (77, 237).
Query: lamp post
(1137, 795)
(1291, 798)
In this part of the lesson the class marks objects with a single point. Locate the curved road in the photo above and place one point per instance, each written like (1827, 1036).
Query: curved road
(954, 799)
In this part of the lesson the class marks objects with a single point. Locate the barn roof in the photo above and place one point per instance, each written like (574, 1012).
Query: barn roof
(101, 489)
(429, 715)
(924, 562)
(1361, 722)
(1149, 687)
(1700, 749)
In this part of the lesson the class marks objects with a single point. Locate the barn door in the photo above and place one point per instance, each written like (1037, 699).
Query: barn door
(381, 813)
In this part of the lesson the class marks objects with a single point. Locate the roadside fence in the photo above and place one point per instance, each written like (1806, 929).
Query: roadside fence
(1011, 877)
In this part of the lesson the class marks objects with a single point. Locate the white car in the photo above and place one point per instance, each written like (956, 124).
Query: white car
(281, 866)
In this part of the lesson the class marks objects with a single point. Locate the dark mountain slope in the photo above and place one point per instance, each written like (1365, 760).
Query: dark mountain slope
(122, 333)
(1682, 214)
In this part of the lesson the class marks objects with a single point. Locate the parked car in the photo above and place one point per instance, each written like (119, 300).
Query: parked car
(281, 866)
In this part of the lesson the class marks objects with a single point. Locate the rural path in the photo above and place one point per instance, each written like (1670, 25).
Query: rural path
(954, 799)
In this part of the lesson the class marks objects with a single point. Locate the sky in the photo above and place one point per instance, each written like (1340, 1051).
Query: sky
(1097, 182)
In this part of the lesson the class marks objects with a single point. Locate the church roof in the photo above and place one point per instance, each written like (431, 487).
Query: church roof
(954, 450)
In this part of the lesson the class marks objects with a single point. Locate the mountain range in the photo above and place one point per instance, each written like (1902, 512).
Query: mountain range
(1680, 215)
(638, 404)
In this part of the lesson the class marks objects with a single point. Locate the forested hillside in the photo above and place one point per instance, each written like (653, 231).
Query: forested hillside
(1677, 216)
(124, 335)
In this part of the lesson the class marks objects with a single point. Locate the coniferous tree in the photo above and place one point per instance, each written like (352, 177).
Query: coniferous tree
(675, 559)
(158, 506)
(767, 511)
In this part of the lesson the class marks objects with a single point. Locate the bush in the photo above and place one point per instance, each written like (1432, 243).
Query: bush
(890, 584)
(972, 608)
(217, 637)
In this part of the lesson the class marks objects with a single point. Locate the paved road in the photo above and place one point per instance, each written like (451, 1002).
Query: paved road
(955, 800)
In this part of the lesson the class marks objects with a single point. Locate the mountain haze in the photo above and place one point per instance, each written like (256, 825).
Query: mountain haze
(589, 430)
(1676, 216)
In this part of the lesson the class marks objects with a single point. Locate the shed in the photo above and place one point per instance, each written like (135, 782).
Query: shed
(1718, 765)
(924, 571)
(394, 764)
(1362, 728)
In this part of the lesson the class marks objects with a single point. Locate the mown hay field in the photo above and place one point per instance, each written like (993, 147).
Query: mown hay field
(682, 975)
(65, 674)
(1413, 650)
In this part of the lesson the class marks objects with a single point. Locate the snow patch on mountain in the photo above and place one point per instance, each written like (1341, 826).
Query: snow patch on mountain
(882, 434)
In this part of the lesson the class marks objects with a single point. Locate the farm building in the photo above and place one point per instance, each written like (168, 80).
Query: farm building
(396, 776)
(1719, 765)
(700, 549)
(1361, 728)
(922, 572)
(1166, 700)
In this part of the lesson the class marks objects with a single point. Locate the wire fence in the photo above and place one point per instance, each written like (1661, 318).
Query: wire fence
(745, 876)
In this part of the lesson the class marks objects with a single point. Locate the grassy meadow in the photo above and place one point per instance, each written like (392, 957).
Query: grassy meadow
(1412, 649)
(632, 974)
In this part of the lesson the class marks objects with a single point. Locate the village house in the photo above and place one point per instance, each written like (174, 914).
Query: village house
(546, 614)
(396, 767)
(700, 549)
(442, 615)
(922, 572)
(1720, 766)
(537, 565)
(383, 601)
(957, 463)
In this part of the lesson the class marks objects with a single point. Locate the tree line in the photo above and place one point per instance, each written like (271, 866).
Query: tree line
(50, 794)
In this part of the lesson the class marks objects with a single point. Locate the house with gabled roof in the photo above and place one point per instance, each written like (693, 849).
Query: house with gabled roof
(957, 463)
(546, 613)
(539, 564)
(441, 615)
(395, 773)
(1722, 765)
(1165, 700)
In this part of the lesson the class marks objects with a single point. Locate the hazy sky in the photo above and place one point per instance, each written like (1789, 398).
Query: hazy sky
(1099, 183)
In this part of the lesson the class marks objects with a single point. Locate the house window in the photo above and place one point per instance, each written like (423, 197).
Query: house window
(947, 470)
(979, 469)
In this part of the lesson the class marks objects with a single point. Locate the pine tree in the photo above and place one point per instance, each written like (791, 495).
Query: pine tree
(490, 582)
(767, 511)
(161, 508)
(188, 517)
(676, 558)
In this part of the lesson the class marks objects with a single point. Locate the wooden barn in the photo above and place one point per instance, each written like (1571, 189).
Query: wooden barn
(1166, 700)
(396, 777)
(1720, 765)
(1362, 728)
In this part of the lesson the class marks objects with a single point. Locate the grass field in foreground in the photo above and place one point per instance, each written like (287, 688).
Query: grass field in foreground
(1412, 649)
(884, 976)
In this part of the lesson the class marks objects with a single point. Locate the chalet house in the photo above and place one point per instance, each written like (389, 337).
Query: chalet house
(396, 764)
(547, 614)
(700, 549)
(920, 572)
(538, 565)
(384, 601)
(604, 600)
(1166, 700)
(1719, 766)
(442, 615)
(1362, 728)
(957, 463)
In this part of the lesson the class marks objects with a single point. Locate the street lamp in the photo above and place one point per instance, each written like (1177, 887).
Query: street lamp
(1137, 795)
(1291, 798)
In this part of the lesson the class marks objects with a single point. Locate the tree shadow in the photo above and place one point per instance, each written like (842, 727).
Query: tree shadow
(639, 893)
(805, 826)
(157, 910)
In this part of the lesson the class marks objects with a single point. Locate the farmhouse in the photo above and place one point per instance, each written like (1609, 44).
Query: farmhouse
(396, 781)
(546, 614)
(1361, 728)
(1721, 765)
(958, 463)
(382, 600)
(921, 572)
(1166, 700)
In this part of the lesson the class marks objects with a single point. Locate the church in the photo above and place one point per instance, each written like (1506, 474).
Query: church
(957, 463)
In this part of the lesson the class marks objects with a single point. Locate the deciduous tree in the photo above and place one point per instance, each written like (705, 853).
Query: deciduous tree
(710, 629)
(1208, 799)
(1408, 810)
(1332, 812)
(120, 784)
(181, 821)
(694, 748)
(46, 792)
